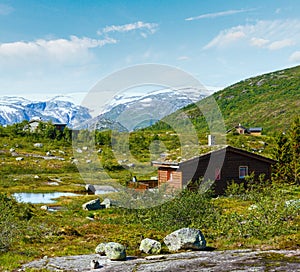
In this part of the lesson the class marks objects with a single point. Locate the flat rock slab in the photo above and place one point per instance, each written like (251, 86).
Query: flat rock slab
(230, 260)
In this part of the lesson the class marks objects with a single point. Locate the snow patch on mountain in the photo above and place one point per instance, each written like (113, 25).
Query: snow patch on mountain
(58, 110)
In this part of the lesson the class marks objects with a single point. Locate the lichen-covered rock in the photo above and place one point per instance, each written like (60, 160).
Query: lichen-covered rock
(186, 238)
(93, 205)
(90, 188)
(100, 249)
(150, 246)
(107, 203)
(115, 251)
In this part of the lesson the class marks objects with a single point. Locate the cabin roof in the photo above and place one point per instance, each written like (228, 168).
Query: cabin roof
(255, 129)
(215, 152)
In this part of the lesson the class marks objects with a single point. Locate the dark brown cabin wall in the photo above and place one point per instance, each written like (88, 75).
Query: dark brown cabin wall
(233, 161)
(227, 160)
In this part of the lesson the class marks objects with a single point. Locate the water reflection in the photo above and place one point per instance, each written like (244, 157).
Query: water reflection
(35, 198)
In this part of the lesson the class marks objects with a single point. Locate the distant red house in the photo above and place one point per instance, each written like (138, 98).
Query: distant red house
(59, 126)
(221, 167)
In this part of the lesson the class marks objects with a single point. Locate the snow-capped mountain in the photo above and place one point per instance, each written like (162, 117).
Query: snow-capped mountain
(58, 109)
(129, 112)
(125, 112)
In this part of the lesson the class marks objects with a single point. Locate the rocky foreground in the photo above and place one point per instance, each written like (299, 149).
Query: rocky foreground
(231, 260)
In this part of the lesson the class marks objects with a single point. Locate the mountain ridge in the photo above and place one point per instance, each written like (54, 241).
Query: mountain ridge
(270, 101)
(17, 109)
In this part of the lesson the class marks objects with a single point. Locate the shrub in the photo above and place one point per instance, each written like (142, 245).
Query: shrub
(10, 223)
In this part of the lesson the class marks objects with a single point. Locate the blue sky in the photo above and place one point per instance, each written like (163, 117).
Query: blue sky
(60, 47)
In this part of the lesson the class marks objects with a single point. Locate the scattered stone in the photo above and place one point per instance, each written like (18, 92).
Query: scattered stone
(93, 205)
(44, 207)
(155, 257)
(38, 145)
(252, 207)
(185, 238)
(150, 246)
(19, 159)
(115, 251)
(107, 203)
(90, 188)
(85, 148)
(295, 203)
(48, 153)
(36, 177)
(88, 161)
(95, 264)
(100, 249)
(12, 150)
(54, 183)
(78, 150)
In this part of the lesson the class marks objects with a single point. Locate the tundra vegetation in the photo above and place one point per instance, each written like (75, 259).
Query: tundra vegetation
(263, 214)
(260, 215)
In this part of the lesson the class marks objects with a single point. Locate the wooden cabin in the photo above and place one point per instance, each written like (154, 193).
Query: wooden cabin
(220, 167)
(241, 129)
(255, 131)
(59, 126)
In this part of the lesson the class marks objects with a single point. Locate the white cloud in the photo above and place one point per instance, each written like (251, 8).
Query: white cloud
(149, 27)
(183, 58)
(57, 50)
(259, 42)
(5, 9)
(295, 57)
(281, 44)
(273, 35)
(217, 14)
(225, 38)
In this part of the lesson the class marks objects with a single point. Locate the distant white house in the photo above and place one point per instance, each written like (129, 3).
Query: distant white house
(33, 123)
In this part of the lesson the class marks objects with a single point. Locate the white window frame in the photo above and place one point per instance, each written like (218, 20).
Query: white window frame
(246, 171)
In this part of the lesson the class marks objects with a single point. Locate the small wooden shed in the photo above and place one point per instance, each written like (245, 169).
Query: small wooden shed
(220, 167)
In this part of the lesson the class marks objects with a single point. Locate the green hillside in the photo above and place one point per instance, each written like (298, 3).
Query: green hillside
(270, 101)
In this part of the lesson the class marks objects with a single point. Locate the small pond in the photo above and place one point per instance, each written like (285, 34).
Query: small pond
(39, 198)
(46, 198)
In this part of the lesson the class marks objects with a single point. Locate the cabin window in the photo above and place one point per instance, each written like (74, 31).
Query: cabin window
(170, 175)
(218, 174)
(243, 172)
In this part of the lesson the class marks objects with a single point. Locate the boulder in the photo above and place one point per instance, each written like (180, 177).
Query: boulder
(95, 264)
(93, 205)
(45, 208)
(115, 251)
(38, 145)
(100, 249)
(150, 246)
(19, 159)
(90, 188)
(186, 238)
(107, 203)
